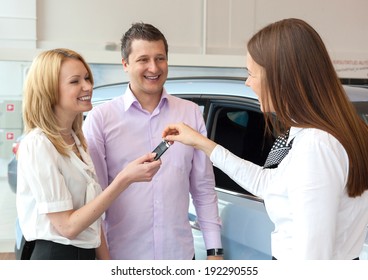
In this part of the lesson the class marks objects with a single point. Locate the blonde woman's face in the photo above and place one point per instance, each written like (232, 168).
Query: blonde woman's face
(254, 81)
(75, 89)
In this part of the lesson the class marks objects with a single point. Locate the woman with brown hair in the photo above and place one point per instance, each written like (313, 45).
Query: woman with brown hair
(314, 189)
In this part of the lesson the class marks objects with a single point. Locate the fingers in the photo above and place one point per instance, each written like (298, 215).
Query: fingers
(146, 158)
(170, 130)
(151, 167)
(149, 159)
(145, 167)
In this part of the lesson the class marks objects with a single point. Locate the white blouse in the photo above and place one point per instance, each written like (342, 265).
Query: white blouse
(49, 182)
(306, 197)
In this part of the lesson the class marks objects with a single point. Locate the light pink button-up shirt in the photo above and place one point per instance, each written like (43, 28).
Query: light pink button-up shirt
(149, 220)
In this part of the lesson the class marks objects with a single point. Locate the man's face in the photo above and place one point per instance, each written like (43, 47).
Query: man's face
(147, 67)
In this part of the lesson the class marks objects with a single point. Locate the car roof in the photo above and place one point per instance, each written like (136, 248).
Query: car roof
(356, 93)
(230, 86)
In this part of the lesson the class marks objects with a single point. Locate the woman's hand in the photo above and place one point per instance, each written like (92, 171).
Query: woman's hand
(142, 169)
(185, 134)
(182, 133)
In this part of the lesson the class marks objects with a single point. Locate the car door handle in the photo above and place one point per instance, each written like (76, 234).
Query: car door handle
(193, 222)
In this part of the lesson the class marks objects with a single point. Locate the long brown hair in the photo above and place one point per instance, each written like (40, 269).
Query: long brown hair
(41, 94)
(302, 84)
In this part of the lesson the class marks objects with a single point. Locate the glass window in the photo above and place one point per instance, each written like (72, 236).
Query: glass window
(242, 132)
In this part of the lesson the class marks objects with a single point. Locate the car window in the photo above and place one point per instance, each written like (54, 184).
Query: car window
(240, 130)
(362, 109)
(237, 126)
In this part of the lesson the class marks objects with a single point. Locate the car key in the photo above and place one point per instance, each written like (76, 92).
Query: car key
(160, 149)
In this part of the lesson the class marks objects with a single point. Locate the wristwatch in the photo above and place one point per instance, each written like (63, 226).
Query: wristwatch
(215, 252)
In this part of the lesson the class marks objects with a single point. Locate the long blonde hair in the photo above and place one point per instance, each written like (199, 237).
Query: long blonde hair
(41, 94)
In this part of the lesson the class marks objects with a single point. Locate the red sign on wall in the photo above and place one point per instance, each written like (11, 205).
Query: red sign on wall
(9, 107)
(9, 136)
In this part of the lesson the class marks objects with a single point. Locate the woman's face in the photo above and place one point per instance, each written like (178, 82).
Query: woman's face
(75, 89)
(254, 81)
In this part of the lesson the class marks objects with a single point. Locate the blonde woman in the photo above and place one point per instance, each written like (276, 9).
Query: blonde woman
(59, 202)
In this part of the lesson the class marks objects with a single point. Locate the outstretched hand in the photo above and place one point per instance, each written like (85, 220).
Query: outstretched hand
(183, 133)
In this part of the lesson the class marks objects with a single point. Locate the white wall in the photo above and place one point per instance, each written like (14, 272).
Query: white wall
(200, 32)
(18, 24)
(208, 33)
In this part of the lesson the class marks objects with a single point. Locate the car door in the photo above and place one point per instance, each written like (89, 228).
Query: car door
(237, 124)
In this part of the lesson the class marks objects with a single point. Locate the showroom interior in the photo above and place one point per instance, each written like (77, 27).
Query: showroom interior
(206, 38)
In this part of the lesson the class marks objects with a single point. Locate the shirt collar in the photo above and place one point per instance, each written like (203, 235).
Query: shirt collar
(293, 132)
(130, 99)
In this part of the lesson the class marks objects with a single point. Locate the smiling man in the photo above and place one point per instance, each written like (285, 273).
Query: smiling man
(150, 220)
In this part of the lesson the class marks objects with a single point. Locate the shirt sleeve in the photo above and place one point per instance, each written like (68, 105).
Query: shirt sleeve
(93, 131)
(246, 174)
(38, 164)
(202, 188)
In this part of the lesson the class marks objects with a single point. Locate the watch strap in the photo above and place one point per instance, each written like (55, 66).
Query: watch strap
(215, 252)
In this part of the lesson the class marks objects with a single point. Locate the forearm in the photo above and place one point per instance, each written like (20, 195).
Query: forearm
(71, 223)
(94, 209)
(246, 174)
(204, 144)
